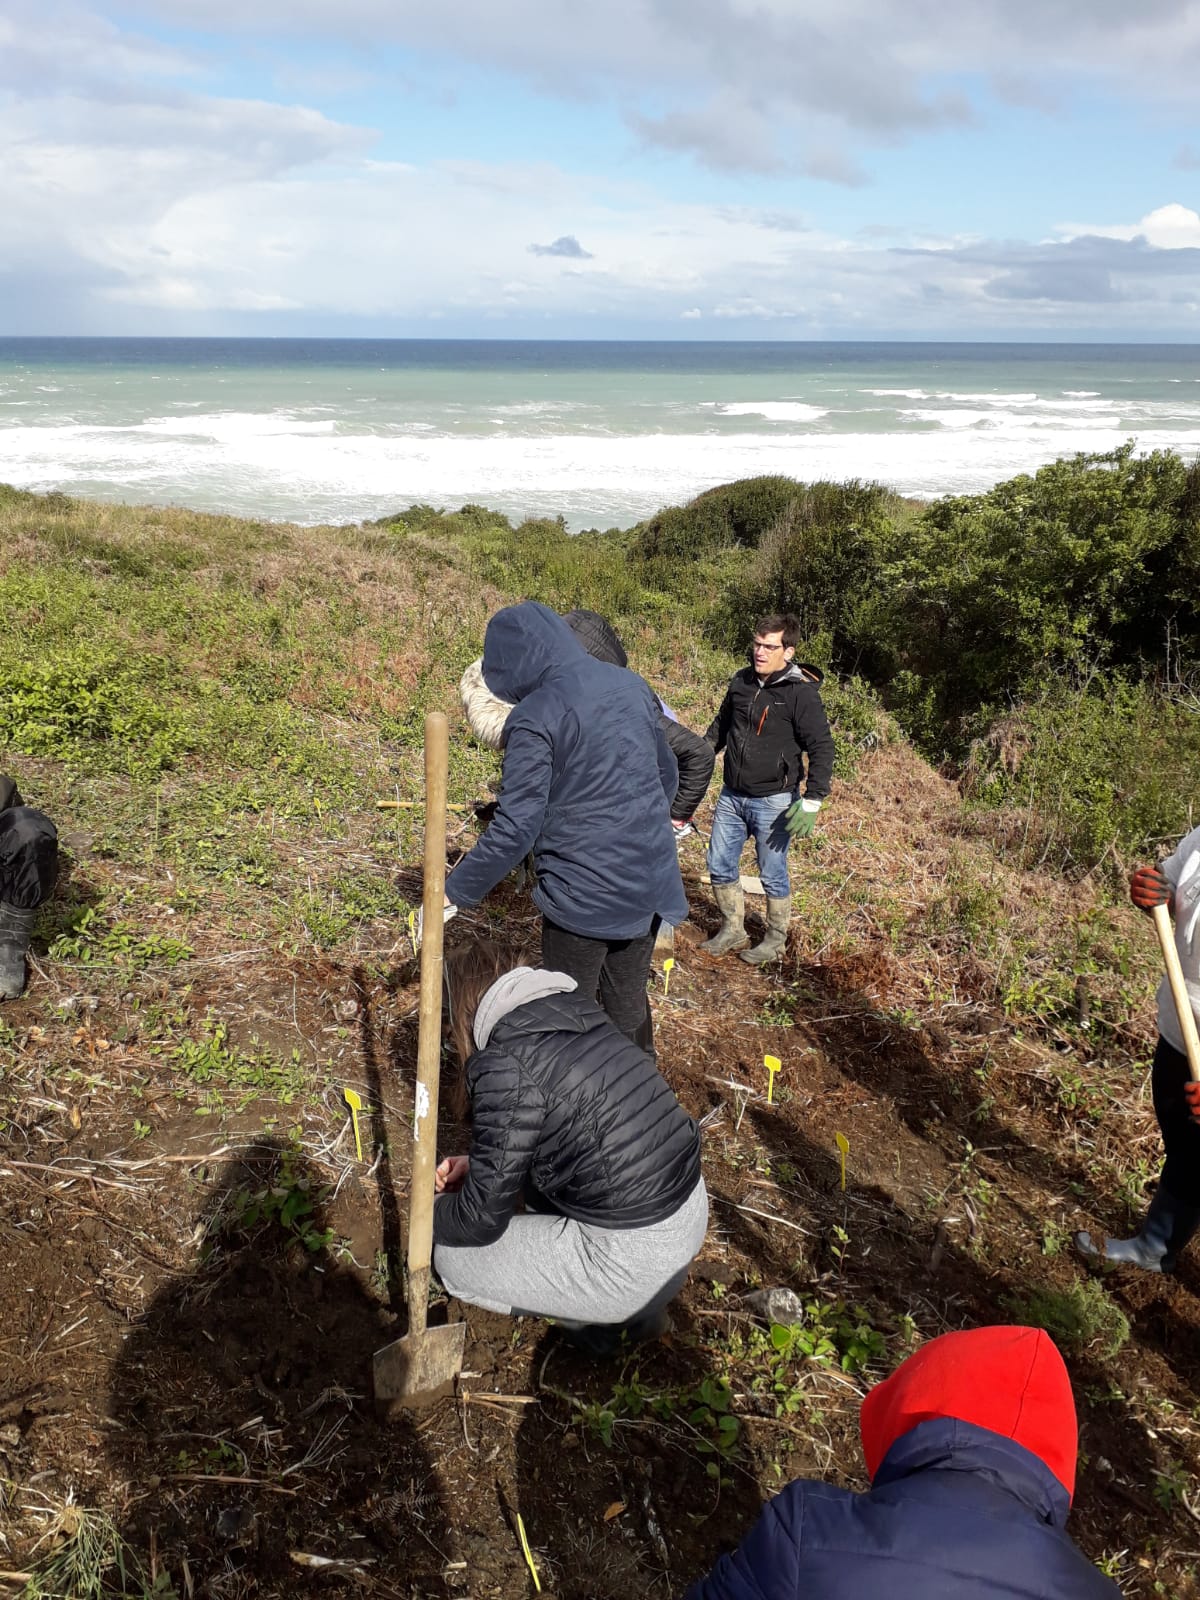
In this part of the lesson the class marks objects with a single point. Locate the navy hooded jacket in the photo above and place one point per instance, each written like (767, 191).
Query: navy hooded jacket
(956, 1511)
(587, 785)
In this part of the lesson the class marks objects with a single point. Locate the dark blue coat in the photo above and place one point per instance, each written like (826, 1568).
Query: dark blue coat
(957, 1512)
(587, 785)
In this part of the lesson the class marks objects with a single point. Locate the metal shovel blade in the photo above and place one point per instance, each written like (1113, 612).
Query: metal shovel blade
(415, 1370)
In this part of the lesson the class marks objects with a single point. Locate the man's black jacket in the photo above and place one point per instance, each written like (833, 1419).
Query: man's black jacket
(563, 1102)
(766, 729)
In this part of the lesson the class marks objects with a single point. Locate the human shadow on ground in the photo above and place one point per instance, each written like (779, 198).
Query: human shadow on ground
(239, 1411)
(896, 1265)
(940, 1104)
(616, 1476)
(380, 1147)
(951, 1110)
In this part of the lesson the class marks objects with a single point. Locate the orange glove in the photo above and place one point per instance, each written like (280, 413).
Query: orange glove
(1191, 1093)
(1148, 887)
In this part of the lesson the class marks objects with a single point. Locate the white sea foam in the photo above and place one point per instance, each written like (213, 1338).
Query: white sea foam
(278, 465)
(769, 410)
(990, 397)
(1053, 416)
(232, 427)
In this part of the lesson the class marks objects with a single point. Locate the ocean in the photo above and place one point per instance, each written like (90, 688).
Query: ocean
(328, 430)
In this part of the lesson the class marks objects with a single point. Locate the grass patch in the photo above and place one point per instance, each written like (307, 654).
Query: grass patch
(1082, 1317)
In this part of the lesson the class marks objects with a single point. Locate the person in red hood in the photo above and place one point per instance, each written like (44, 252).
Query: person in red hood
(970, 1446)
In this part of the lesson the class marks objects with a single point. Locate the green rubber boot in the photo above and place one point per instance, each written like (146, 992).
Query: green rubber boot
(731, 935)
(779, 916)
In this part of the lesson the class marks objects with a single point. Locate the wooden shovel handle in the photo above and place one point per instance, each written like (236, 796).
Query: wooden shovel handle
(1165, 929)
(429, 1039)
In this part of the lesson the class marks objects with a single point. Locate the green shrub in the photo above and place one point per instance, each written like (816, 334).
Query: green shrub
(820, 558)
(735, 514)
(1095, 558)
(1097, 762)
(96, 709)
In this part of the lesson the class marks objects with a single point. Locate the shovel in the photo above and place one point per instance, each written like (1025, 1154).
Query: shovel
(1179, 993)
(415, 1370)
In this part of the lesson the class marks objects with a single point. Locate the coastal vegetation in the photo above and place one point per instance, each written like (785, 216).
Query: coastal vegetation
(212, 708)
(1041, 640)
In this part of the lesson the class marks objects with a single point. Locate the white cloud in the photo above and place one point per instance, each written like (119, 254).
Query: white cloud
(125, 185)
(1170, 227)
(800, 84)
(346, 239)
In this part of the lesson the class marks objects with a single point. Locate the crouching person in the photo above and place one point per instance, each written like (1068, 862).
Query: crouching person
(567, 1113)
(28, 868)
(970, 1446)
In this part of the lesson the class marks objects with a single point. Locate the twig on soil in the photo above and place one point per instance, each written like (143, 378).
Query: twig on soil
(157, 1161)
(500, 1400)
(462, 1417)
(66, 1172)
(768, 1216)
(220, 1477)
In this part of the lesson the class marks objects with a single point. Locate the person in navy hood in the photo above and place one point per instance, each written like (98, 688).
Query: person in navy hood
(970, 1446)
(587, 785)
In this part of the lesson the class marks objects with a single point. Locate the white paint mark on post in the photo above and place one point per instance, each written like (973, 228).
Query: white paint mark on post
(422, 1109)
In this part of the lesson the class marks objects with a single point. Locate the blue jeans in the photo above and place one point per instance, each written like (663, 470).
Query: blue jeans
(739, 817)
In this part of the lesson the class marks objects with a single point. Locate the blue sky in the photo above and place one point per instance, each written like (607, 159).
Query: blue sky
(647, 168)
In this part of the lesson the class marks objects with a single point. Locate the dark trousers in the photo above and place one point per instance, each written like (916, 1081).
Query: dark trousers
(28, 857)
(613, 971)
(1181, 1136)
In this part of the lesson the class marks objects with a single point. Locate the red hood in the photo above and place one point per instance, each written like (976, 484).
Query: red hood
(1009, 1380)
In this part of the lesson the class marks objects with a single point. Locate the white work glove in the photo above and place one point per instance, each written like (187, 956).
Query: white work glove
(417, 923)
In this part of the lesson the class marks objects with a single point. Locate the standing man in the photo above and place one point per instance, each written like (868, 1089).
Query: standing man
(28, 869)
(770, 720)
(587, 784)
(1174, 1213)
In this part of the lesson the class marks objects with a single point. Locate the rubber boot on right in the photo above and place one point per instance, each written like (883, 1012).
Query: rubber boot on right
(731, 935)
(774, 941)
(1168, 1226)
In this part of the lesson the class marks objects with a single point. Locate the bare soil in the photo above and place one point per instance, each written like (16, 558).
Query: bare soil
(203, 1375)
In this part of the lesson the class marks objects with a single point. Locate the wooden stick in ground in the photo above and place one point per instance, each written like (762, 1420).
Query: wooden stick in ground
(416, 1368)
(1165, 929)
(429, 1040)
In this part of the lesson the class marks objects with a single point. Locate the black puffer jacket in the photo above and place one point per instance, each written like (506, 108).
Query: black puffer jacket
(694, 755)
(28, 850)
(563, 1102)
(766, 729)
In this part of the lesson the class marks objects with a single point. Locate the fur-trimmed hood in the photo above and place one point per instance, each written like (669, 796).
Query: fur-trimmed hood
(486, 712)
